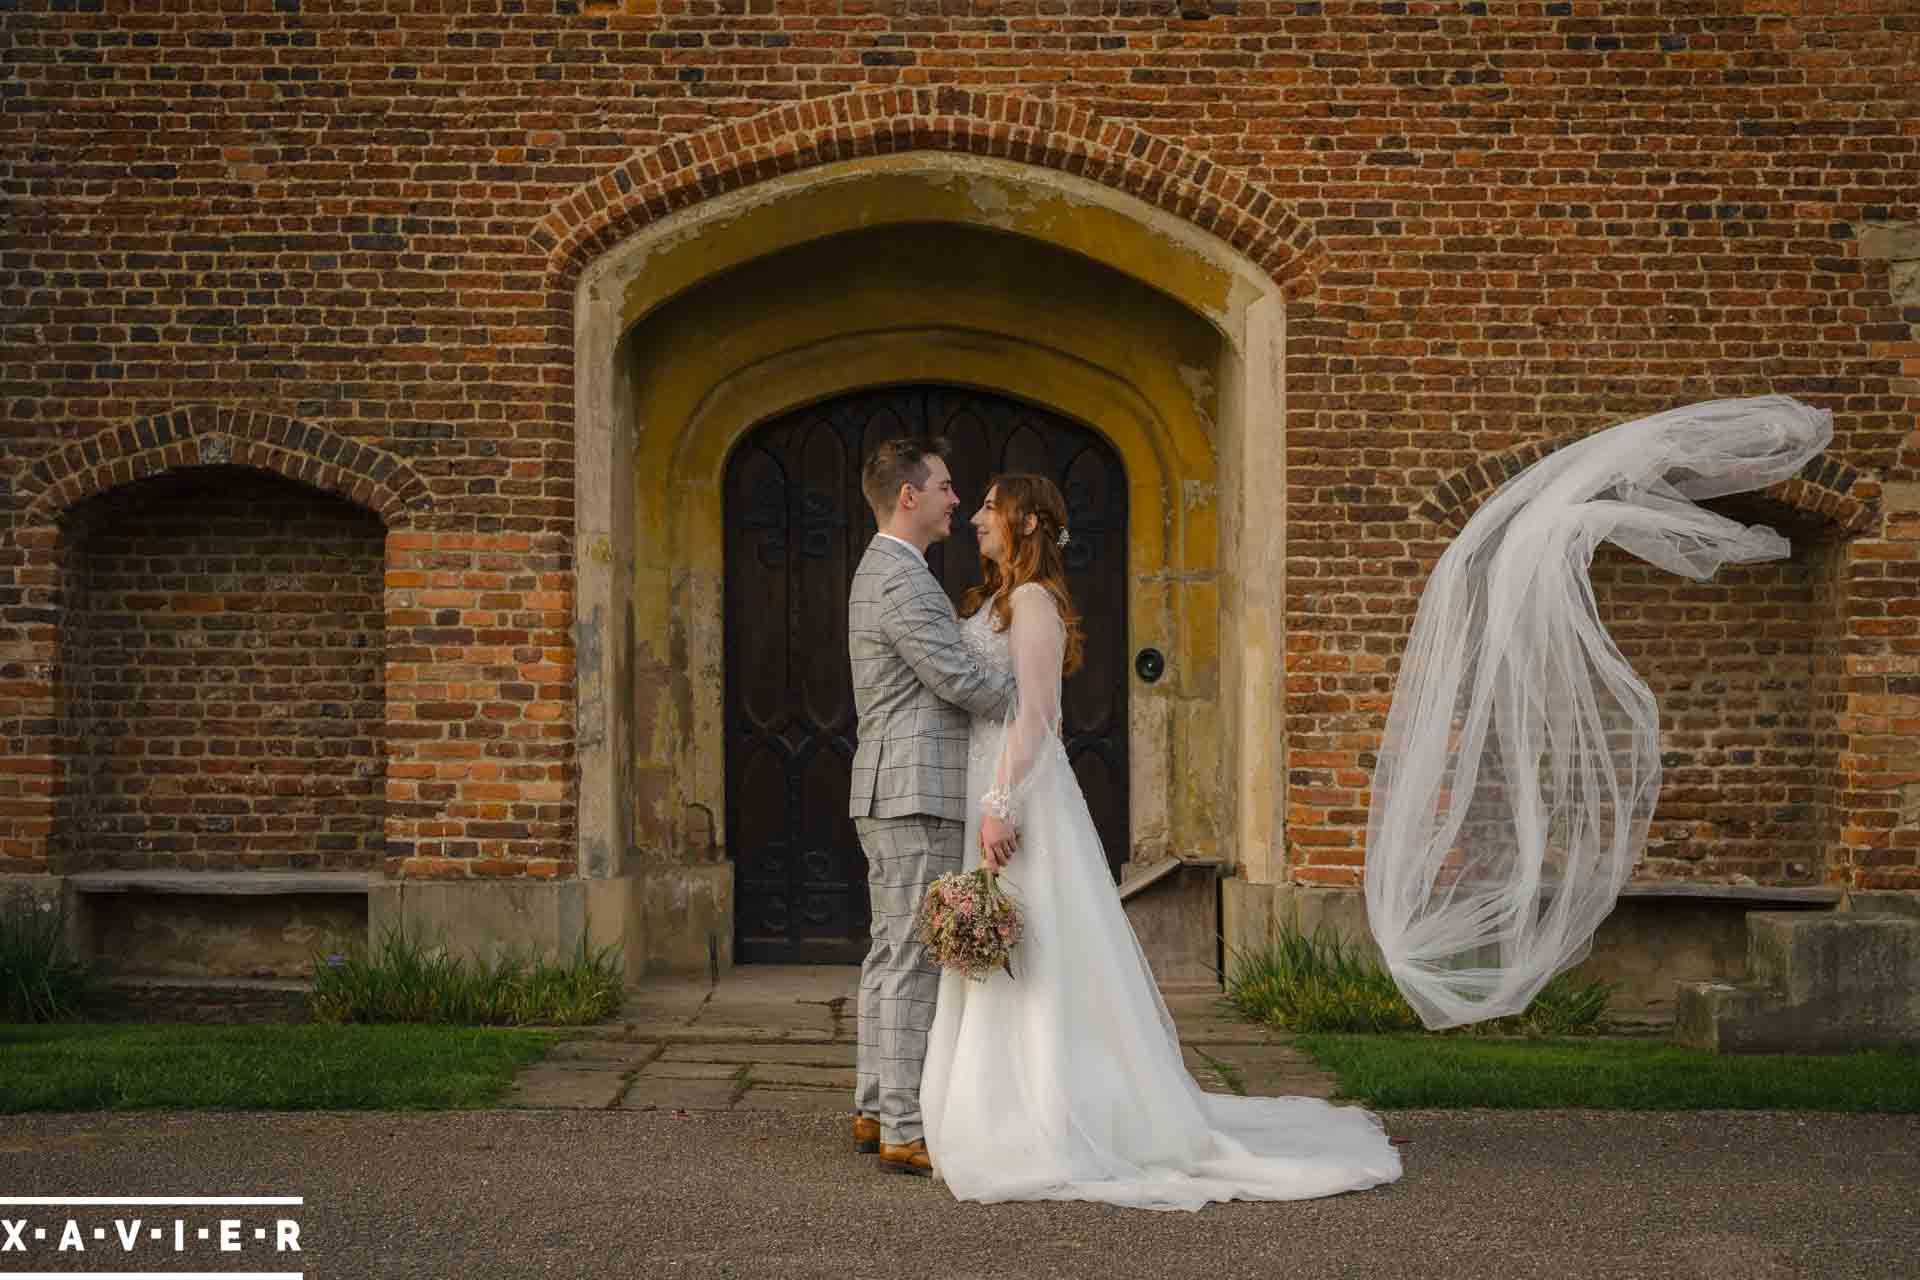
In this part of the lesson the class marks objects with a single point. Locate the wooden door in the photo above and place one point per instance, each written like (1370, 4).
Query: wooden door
(796, 525)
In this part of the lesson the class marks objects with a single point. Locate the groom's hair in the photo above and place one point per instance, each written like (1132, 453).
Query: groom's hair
(902, 460)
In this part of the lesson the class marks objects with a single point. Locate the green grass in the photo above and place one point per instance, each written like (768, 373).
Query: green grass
(1317, 982)
(401, 980)
(1398, 1072)
(92, 1067)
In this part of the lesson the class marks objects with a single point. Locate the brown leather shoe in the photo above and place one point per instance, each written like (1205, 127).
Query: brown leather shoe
(866, 1135)
(911, 1158)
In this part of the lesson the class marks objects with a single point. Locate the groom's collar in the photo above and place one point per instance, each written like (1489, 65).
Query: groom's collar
(913, 550)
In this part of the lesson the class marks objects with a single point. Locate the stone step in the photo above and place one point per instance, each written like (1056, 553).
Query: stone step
(1816, 984)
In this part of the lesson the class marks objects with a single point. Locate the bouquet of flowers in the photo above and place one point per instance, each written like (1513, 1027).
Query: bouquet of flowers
(969, 923)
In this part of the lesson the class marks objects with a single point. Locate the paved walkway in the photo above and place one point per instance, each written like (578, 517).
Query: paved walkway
(781, 1038)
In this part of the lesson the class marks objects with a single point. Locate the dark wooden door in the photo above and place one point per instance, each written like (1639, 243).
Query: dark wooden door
(796, 527)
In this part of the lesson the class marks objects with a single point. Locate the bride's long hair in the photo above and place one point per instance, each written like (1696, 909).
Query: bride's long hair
(1031, 557)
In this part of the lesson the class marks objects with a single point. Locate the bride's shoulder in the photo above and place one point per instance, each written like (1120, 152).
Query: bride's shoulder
(1034, 598)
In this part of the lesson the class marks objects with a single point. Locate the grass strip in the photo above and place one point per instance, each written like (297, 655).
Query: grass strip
(1400, 1072)
(95, 1067)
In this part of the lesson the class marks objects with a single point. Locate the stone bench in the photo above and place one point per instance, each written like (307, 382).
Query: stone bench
(1663, 932)
(216, 924)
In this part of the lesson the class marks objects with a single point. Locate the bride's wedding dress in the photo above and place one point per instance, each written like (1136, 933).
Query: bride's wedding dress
(1065, 1081)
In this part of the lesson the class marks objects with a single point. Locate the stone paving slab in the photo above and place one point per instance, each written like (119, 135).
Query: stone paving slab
(557, 1085)
(812, 1101)
(603, 1053)
(817, 1055)
(679, 1095)
(1273, 1070)
(665, 1070)
(747, 1035)
(812, 1077)
(682, 1043)
(1200, 1069)
(1202, 1019)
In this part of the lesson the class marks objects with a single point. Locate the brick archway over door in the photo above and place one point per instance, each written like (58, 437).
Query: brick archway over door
(1245, 215)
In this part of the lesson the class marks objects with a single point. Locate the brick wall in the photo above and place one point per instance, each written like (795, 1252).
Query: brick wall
(1731, 664)
(480, 691)
(1499, 222)
(223, 678)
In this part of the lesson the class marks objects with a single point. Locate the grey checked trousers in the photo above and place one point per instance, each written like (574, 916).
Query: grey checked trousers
(899, 981)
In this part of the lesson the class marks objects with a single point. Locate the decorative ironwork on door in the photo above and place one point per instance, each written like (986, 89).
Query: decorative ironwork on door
(796, 528)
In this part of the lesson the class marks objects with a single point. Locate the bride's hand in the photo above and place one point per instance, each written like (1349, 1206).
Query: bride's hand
(997, 842)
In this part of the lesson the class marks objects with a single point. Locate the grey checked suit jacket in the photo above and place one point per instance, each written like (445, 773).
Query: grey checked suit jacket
(913, 684)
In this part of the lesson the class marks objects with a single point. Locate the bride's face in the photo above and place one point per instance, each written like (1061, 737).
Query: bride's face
(991, 528)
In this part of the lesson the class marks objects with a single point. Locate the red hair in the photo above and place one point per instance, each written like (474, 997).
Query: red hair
(1031, 557)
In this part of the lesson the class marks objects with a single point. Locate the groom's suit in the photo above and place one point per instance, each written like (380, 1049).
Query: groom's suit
(914, 684)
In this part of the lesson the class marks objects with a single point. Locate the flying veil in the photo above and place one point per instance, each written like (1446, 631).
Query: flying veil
(1521, 760)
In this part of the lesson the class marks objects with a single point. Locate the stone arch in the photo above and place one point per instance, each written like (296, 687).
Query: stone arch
(1247, 217)
(219, 435)
(1825, 488)
(654, 422)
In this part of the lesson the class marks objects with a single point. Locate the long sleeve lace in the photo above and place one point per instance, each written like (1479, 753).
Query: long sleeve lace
(1037, 641)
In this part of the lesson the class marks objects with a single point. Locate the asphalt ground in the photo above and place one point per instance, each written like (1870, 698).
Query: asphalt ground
(626, 1193)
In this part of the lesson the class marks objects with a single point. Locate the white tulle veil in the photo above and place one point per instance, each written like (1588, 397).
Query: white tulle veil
(1521, 760)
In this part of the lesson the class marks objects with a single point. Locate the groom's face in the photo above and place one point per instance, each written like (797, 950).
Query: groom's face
(935, 502)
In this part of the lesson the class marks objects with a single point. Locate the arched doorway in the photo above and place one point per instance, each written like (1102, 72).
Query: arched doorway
(916, 269)
(796, 526)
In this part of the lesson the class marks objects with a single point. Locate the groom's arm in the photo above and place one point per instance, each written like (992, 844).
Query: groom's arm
(918, 620)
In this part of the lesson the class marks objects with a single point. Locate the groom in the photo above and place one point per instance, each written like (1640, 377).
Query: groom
(913, 684)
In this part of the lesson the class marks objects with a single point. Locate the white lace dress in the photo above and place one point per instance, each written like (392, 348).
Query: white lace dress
(1065, 1081)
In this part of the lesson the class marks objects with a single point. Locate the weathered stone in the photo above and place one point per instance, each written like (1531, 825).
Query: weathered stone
(664, 1070)
(648, 1094)
(1211, 1079)
(823, 1101)
(1203, 1019)
(814, 1055)
(1824, 983)
(548, 1084)
(782, 1073)
(1898, 241)
(230, 932)
(604, 1053)
(484, 919)
(1173, 906)
(1883, 902)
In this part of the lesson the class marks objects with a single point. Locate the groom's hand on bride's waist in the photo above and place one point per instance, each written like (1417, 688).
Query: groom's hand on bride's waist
(997, 841)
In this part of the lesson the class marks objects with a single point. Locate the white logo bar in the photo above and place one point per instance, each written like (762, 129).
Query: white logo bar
(160, 1275)
(124, 1200)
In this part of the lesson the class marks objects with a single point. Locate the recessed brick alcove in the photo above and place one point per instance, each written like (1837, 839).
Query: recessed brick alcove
(221, 678)
(221, 708)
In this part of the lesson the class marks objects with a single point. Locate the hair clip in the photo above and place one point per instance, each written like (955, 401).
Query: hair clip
(1064, 538)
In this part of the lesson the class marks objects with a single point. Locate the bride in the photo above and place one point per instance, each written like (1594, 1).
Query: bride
(1065, 1081)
